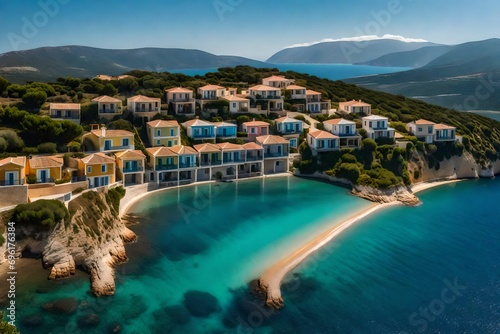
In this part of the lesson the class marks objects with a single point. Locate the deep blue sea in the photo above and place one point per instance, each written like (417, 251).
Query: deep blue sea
(434, 268)
(327, 71)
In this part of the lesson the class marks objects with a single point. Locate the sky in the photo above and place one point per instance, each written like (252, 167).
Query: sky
(249, 28)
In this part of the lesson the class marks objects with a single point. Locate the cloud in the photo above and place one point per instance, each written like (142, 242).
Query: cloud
(362, 39)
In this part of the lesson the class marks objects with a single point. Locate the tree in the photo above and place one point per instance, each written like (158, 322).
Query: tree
(16, 90)
(3, 84)
(5, 327)
(34, 98)
(109, 89)
(42, 213)
(13, 141)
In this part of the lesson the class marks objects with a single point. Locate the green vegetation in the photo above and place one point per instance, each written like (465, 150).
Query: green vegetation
(5, 327)
(42, 213)
(113, 197)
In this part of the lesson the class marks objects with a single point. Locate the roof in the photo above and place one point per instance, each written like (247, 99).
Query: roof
(221, 124)
(161, 151)
(256, 123)
(276, 78)
(18, 161)
(270, 139)
(130, 154)
(159, 123)
(291, 87)
(66, 106)
(312, 92)
(230, 147)
(207, 147)
(211, 87)
(181, 150)
(178, 90)
(97, 158)
(398, 135)
(264, 88)
(252, 146)
(442, 126)
(339, 121)
(375, 118)
(46, 162)
(356, 103)
(106, 98)
(112, 133)
(143, 98)
(423, 122)
(109, 77)
(322, 135)
(287, 119)
(234, 98)
(197, 122)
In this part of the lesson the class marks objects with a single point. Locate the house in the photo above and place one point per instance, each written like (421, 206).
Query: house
(356, 107)
(254, 160)
(256, 128)
(277, 81)
(225, 130)
(231, 91)
(108, 106)
(422, 129)
(12, 171)
(345, 130)
(290, 128)
(65, 112)
(130, 166)
(98, 168)
(164, 164)
(104, 140)
(276, 150)
(200, 130)
(181, 100)
(377, 127)
(314, 104)
(233, 159)
(211, 92)
(188, 164)
(163, 133)
(297, 92)
(144, 106)
(444, 132)
(45, 169)
(323, 141)
(209, 157)
(237, 104)
(270, 98)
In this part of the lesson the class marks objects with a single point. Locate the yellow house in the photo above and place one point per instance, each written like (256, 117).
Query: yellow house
(163, 133)
(164, 162)
(130, 166)
(98, 168)
(12, 171)
(45, 168)
(108, 141)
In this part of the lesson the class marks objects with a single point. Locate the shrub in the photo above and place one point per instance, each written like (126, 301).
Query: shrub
(50, 148)
(241, 134)
(41, 213)
(416, 174)
(3, 84)
(349, 171)
(349, 158)
(34, 98)
(303, 119)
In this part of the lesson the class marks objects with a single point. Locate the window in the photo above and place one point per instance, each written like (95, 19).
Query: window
(104, 168)
(112, 106)
(158, 133)
(158, 142)
(429, 130)
(420, 129)
(89, 169)
(234, 104)
(172, 132)
(125, 142)
(252, 130)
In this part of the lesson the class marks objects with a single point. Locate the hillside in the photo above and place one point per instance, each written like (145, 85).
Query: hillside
(451, 80)
(415, 58)
(50, 63)
(343, 52)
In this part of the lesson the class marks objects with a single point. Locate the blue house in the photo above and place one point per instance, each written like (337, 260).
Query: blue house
(225, 130)
(290, 128)
(200, 130)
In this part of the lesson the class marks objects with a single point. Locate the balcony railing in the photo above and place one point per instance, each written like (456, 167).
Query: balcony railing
(12, 183)
(78, 179)
(275, 155)
(107, 111)
(188, 165)
(254, 158)
(181, 100)
(211, 163)
(113, 148)
(147, 110)
(47, 180)
(133, 169)
(290, 131)
(233, 160)
(166, 167)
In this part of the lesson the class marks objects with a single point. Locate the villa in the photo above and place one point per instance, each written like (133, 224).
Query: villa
(108, 106)
(200, 130)
(237, 104)
(209, 93)
(269, 96)
(254, 158)
(422, 129)
(45, 169)
(256, 128)
(225, 130)
(276, 150)
(233, 158)
(163, 133)
(12, 171)
(130, 167)
(377, 127)
(65, 112)
(297, 92)
(209, 156)
(277, 81)
(444, 132)
(144, 106)
(322, 141)
(345, 130)
(182, 101)
(187, 159)
(98, 168)
(164, 164)
(355, 107)
(290, 128)
(109, 141)
(314, 104)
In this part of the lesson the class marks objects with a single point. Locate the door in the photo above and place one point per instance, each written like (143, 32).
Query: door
(297, 127)
(96, 182)
(188, 161)
(10, 178)
(43, 176)
(224, 132)
(134, 166)
(127, 166)
(279, 150)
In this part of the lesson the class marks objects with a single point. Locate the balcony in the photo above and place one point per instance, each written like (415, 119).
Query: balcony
(78, 179)
(166, 167)
(133, 169)
(254, 158)
(290, 131)
(117, 148)
(47, 180)
(12, 183)
(181, 100)
(147, 110)
(188, 165)
(233, 160)
(200, 137)
(275, 155)
(211, 163)
(109, 111)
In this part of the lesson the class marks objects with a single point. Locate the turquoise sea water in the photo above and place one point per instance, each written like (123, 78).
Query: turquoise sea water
(327, 71)
(200, 246)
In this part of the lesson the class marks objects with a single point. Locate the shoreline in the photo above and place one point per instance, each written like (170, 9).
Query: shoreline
(270, 281)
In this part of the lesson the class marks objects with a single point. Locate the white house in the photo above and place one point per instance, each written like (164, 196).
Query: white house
(108, 106)
(65, 111)
(182, 100)
(422, 129)
(276, 152)
(211, 92)
(144, 106)
(345, 130)
(297, 92)
(444, 132)
(237, 104)
(322, 141)
(314, 104)
(271, 95)
(377, 127)
(277, 81)
(290, 128)
(356, 107)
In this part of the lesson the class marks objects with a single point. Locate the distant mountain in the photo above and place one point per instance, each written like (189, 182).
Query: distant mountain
(467, 77)
(414, 58)
(343, 52)
(50, 63)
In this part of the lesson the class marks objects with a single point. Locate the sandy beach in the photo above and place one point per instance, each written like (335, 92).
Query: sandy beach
(271, 279)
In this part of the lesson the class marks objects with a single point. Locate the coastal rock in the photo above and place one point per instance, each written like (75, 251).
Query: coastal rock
(128, 236)
(262, 290)
(393, 194)
(200, 304)
(63, 269)
(65, 305)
